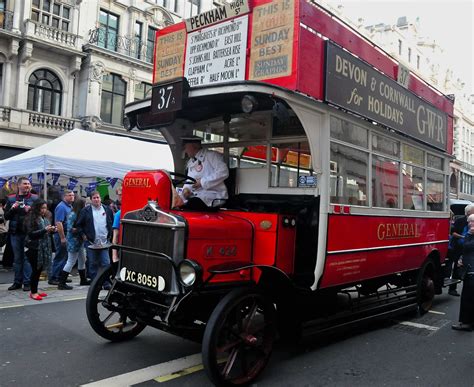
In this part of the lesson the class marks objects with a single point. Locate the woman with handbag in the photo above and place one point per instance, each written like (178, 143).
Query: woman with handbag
(38, 241)
(466, 310)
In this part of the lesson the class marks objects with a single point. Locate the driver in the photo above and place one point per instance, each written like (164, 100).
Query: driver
(209, 170)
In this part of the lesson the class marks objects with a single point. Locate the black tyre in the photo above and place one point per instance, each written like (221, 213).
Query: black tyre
(426, 287)
(239, 338)
(105, 310)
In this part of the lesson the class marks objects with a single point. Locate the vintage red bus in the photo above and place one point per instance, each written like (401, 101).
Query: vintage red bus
(338, 167)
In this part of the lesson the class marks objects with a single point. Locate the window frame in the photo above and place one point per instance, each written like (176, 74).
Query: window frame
(50, 15)
(403, 145)
(55, 92)
(112, 94)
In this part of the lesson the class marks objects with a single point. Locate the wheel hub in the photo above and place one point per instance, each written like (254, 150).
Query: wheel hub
(249, 339)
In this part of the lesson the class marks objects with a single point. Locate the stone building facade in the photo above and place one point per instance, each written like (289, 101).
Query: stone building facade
(68, 64)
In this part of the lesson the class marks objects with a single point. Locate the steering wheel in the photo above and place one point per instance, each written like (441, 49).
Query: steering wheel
(181, 178)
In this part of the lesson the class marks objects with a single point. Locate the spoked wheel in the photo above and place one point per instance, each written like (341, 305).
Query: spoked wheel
(426, 288)
(105, 310)
(239, 338)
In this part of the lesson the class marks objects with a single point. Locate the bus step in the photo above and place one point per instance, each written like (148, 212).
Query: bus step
(450, 281)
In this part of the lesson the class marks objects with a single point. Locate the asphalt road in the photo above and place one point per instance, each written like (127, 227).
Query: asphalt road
(51, 344)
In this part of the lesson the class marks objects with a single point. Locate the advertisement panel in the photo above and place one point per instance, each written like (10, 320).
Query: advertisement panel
(354, 85)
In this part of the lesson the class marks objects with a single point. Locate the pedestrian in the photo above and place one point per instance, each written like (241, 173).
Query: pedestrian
(38, 242)
(3, 224)
(466, 309)
(75, 248)
(18, 205)
(95, 225)
(115, 239)
(61, 213)
(209, 170)
(456, 242)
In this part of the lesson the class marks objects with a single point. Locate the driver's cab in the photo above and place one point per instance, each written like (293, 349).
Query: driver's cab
(272, 170)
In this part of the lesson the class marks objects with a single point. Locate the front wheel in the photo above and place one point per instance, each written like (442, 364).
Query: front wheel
(106, 312)
(239, 338)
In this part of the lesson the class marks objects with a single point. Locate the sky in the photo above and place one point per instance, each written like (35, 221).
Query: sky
(448, 22)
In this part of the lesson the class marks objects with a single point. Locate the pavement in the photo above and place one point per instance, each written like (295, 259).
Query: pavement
(17, 298)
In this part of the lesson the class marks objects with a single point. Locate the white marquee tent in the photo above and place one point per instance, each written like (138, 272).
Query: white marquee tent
(80, 153)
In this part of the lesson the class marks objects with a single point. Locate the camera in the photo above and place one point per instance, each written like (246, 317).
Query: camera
(21, 204)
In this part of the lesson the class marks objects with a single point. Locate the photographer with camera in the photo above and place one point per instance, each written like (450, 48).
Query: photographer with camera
(17, 207)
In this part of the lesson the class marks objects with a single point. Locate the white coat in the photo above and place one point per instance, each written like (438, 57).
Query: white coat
(209, 166)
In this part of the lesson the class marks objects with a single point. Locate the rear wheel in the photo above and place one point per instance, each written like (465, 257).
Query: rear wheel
(426, 287)
(105, 310)
(239, 338)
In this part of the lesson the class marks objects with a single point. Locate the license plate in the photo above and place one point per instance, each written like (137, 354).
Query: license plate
(147, 280)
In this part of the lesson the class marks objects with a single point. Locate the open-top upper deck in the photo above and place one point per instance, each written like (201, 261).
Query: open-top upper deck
(298, 45)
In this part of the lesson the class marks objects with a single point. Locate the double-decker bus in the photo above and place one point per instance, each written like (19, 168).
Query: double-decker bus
(337, 213)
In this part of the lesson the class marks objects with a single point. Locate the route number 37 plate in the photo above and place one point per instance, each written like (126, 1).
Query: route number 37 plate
(168, 96)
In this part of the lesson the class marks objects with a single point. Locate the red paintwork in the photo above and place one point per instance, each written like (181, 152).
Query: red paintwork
(311, 80)
(216, 238)
(328, 26)
(274, 246)
(154, 185)
(365, 232)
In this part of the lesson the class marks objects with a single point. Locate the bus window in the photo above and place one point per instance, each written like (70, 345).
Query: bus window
(291, 165)
(413, 190)
(348, 132)
(251, 156)
(435, 191)
(348, 175)
(386, 146)
(413, 155)
(385, 182)
(434, 162)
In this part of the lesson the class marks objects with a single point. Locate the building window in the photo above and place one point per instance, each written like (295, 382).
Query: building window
(188, 8)
(113, 99)
(51, 13)
(108, 30)
(409, 55)
(142, 90)
(44, 92)
(418, 62)
(399, 47)
(137, 40)
(150, 43)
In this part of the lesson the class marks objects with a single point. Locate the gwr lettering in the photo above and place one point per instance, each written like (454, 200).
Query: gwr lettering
(428, 120)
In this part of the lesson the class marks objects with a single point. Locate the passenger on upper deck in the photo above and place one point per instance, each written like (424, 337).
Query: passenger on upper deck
(209, 170)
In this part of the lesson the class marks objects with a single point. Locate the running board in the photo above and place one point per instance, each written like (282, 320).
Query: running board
(450, 281)
(311, 328)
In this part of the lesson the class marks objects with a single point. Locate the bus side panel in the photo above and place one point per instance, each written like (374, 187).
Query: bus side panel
(311, 80)
(364, 247)
(323, 23)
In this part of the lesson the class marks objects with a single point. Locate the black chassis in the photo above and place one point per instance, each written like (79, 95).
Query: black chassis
(183, 311)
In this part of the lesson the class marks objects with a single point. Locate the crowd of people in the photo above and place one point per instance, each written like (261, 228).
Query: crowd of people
(53, 242)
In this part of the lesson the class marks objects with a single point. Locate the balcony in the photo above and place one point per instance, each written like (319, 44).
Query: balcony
(130, 47)
(6, 20)
(52, 35)
(34, 122)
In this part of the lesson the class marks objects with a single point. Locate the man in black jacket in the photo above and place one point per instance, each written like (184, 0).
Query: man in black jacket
(95, 225)
(16, 209)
